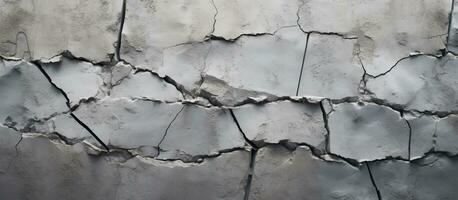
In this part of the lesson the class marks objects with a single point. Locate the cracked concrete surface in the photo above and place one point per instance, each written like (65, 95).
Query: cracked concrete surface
(296, 99)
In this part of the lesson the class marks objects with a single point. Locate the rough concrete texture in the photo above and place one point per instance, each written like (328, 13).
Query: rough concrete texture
(228, 99)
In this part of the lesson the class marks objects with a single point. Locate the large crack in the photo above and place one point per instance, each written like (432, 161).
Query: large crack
(450, 17)
(121, 26)
(254, 150)
(379, 195)
(38, 65)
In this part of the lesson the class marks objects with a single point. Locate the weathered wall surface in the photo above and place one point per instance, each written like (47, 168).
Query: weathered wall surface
(229, 99)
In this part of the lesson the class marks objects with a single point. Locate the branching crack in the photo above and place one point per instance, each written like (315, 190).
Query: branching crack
(38, 64)
(254, 150)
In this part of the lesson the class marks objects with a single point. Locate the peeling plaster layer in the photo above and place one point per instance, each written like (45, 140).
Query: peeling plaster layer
(143, 85)
(45, 169)
(26, 95)
(387, 30)
(127, 123)
(252, 64)
(423, 83)
(283, 121)
(78, 79)
(151, 26)
(200, 131)
(36, 29)
(179, 131)
(238, 17)
(431, 178)
(366, 132)
(282, 174)
(249, 63)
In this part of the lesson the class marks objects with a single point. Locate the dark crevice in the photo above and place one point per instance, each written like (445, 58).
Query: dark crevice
(410, 139)
(302, 64)
(254, 150)
(121, 26)
(326, 126)
(90, 131)
(249, 179)
(38, 64)
(379, 196)
(167, 131)
(248, 141)
(450, 17)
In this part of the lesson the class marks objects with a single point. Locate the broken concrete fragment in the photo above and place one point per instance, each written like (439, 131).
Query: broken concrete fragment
(43, 165)
(26, 95)
(142, 85)
(127, 123)
(151, 26)
(447, 135)
(200, 131)
(282, 174)
(387, 30)
(8, 141)
(452, 43)
(36, 29)
(268, 63)
(219, 92)
(366, 132)
(423, 130)
(331, 67)
(283, 121)
(433, 177)
(78, 79)
(423, 83)
(238, 17)
(252, 65)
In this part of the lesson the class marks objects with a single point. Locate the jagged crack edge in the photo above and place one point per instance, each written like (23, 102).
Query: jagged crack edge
(379, 195)
(121, 26)
(38, 65)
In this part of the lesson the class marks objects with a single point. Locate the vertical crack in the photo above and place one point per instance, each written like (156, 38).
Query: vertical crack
(38, 65)
(121, 26)
(254, 151)
(379, 196)
(410, 138)
(326, 126)
(450, 17)
(167, 131)
(302, 65)
(214, 19)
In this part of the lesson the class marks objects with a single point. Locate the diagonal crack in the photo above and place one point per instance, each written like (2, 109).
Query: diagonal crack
(254, 151)
(121, 26)
(450, 17)
(302, 65)
(38, 65)
(379, 195)
(167, 131)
